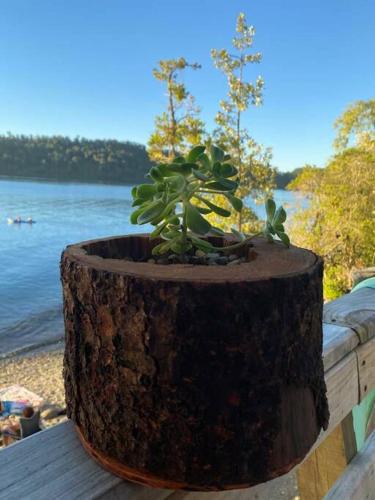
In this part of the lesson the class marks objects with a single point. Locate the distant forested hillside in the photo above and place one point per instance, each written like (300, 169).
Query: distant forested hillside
(79, 159)
(282, 179)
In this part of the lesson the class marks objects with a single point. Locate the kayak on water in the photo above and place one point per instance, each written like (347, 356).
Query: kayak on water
(18, 220)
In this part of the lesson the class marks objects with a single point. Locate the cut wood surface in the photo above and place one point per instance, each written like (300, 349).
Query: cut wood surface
(53, 464)
(358, 480)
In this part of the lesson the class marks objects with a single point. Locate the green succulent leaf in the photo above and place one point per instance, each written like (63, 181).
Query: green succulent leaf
(203, 245)
(220, 186)
(215, 208)
(170, 234)
(153, 211)
(134, 216)
(176, 182)
(235, 202)
(228, 170)
(194, 220)
(269, 228)
(137, 202)
(280, 216)
(217, 154)
(199, 175)
(156, 232)
(161, 248)
(284, 238)
(270, 208)
(146, 191)
(182, 168)
(204, 161)
(204, 210)
(179, 159)
(134, 191)
(165, 170)
(195, 153)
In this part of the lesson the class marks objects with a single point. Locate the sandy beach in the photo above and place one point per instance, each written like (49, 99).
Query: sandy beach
(39, 372)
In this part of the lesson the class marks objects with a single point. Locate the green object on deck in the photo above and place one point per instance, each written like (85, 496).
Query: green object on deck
(363, 411)
(367, 283)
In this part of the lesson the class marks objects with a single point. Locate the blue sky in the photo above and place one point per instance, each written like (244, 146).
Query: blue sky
(79, 67)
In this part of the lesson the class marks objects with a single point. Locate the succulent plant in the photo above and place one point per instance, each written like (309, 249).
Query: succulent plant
(178, 199)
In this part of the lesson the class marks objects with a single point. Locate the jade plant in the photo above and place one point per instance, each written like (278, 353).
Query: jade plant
(179, 197)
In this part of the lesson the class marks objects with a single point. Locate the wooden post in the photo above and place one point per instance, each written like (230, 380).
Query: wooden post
(326, 464)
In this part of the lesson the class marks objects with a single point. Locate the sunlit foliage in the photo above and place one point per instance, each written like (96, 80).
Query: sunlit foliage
(179, 127)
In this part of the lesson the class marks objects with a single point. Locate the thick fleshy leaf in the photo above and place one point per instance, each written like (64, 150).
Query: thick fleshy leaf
(216, 186)
(203, 245)
(204, 161)
(146, 191)
(218, 210)
(134, 216)
(179, 247)
(179, 159)
(170, 234)
(134, 191)
(156, 174)
(152, 212)
(137, 202)
(161, 248)
(176, 182)
(270, 208)
(165, 170)
(235, 202)
(227, 170)
(284, 238)
(217, 154)
(195, 153)
(156, 232)
(199, 175)
(269, 227)
(204, 210)
(182, 168)
(280, 216)
(194, 220)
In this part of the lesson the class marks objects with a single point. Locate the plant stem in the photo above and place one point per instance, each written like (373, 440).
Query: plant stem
(184, 225)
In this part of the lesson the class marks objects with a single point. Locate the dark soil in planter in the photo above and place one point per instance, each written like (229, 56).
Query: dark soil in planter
(195, 377)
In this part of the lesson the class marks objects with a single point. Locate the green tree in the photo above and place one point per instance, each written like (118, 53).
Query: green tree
(180, 125)
(358, 122)
(308, 180)
(252, 160)
(339, 223)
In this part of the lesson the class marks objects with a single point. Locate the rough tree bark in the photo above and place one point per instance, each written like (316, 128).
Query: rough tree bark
(195, 377)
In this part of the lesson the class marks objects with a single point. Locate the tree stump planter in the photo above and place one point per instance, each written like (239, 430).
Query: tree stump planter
(194, 377)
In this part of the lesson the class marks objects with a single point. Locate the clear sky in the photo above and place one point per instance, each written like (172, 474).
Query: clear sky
(84, 67)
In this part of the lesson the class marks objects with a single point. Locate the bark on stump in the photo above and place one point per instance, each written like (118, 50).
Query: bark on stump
(194, 377)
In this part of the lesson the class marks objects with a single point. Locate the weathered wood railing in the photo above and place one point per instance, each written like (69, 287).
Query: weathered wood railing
(53, 464)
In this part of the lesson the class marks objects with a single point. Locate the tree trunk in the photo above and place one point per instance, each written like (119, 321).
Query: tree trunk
(195, 377)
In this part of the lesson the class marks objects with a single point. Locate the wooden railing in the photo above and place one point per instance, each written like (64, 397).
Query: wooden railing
(53, 464)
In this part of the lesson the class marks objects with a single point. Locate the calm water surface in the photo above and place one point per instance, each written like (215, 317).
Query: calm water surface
(30, 290)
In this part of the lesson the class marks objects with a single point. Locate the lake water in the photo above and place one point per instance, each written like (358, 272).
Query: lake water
(30, 290)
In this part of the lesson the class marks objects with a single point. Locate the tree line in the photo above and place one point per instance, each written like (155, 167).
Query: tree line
(65, 159)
